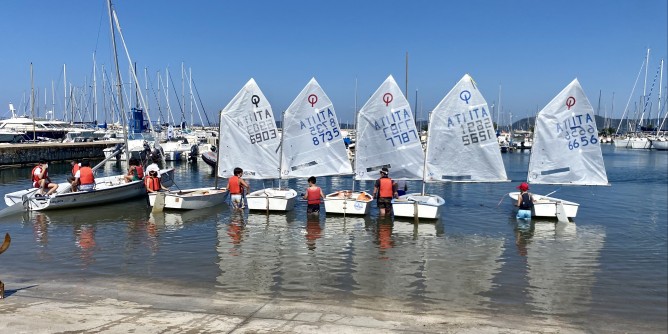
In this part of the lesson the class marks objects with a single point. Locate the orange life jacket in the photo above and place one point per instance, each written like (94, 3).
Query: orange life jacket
(86, 175)
(234, 185)
(313, 195)
(386, 187)
(75, 168)
(139, 172)
(152, 183)
(36, 178)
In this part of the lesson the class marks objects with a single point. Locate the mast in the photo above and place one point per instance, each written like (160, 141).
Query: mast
(94, 89)
(426, 150)
(406, 75)
(190, 86)
(32, 103)
(64, 92)
(118, 79)
(355, 123)
(53, 101)
(658, 110)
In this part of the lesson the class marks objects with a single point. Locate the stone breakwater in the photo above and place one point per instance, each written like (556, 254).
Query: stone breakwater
(23, 154)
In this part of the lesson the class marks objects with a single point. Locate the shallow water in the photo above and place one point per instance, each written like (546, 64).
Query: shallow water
(608, 266)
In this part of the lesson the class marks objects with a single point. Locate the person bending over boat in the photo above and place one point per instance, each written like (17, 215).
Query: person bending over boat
(71, 179)
(385, 190)
(152, 182)
(135, 171)
(237, 187)
(313, 195)
(84, 178)
(524, 201)
(41, 180)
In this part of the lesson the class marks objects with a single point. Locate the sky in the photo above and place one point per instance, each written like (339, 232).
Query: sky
(523, 52)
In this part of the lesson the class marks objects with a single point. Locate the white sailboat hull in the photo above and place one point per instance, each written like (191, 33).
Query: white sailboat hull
(418, 206)
(272, 199)
(191, 199)
(660, 144)
(547, 206)
(348, 202)
(107, 190)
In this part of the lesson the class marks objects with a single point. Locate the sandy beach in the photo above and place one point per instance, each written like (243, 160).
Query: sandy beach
(120, 306)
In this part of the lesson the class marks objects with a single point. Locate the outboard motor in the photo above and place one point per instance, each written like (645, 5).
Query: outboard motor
(194, 152)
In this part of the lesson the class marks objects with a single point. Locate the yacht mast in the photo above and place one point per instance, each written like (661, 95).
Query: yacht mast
(118, 83)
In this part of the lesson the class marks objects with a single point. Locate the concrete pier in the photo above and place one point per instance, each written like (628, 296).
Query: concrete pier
(24, 154)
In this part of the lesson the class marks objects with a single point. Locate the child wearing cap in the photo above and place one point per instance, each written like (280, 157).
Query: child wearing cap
(385, 190)
(524, 202)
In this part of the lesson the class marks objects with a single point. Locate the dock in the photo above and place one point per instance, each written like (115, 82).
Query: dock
(24, 154)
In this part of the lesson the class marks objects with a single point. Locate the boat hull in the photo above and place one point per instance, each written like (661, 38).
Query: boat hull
(660, 145)
(192, 199)
(272, 199)
(544, 206)
(418, 206)
(107, 190)
(348, 202)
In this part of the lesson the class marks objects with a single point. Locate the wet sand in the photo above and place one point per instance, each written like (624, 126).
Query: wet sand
(116, 305)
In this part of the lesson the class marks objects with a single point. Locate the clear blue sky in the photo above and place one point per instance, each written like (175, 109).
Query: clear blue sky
(532, 48)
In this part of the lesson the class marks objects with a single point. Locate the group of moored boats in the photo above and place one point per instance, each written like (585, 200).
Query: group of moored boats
(311, 143)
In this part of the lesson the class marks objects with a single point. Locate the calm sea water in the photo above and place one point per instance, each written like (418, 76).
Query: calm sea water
(608, 266)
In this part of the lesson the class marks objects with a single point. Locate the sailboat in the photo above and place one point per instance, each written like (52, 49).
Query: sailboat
(250, 139)
(566, 151)
(386, 137)
(461, 147)
(312, 142)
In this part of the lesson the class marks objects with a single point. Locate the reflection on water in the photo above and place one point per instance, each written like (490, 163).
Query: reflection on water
(562, 263)
(475, 257)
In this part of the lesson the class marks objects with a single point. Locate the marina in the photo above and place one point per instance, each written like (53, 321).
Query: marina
(477, 260)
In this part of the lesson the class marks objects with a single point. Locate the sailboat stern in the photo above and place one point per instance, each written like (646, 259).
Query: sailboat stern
(272, 199)
(418, 206)
(348, 202)
(544, 206)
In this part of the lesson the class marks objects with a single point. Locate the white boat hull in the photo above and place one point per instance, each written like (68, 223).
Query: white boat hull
(272, 199)
(192, 199)
(418, 206)
(348, 202)
(107, 190)
(660, 144)
(547, 206)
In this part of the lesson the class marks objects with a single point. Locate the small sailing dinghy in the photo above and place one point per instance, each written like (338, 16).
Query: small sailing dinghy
(191, 199)
(566, 151)
(461, 147)
(312, 142)
(250, 139)
(386, 137)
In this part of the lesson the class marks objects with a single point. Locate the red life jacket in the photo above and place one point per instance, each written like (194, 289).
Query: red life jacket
(152, 183)
(86, 175)
(386, 187)
(139, 172)
(36, 178)
(234, 185)
(75, 168)
(313, 195)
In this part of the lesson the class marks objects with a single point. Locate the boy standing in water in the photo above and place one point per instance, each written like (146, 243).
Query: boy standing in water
(313, 195)
(237, 187)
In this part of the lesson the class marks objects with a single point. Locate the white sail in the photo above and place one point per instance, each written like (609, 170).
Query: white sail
(248, 136)
(387, 136)
(312, 142)
(462, 143)
(566, 147)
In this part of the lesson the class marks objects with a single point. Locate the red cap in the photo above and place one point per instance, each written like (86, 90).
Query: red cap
(523, 186)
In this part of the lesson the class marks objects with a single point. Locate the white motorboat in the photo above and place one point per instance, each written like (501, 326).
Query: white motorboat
(191, 199)
(107, 190)
(567, 151)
